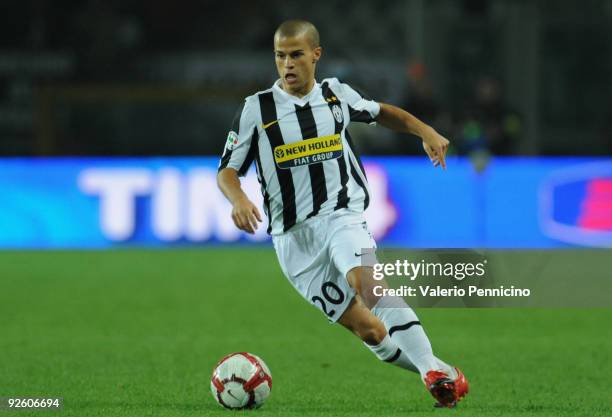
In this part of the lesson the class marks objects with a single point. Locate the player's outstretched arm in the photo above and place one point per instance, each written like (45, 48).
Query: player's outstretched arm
(400, 120)
(244, 213)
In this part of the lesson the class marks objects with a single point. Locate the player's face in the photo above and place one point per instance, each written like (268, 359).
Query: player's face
(296, 61)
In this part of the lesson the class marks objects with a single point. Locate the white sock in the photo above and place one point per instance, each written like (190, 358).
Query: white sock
(406, 332)
(387, 351)
(446, 368)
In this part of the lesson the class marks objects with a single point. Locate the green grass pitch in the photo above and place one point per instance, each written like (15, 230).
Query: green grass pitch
(137, 332)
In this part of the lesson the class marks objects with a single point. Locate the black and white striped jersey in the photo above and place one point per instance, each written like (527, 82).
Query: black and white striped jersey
(304, 156)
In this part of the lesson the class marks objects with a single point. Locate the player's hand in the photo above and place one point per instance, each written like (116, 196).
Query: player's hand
(246, 215)
(435, 146)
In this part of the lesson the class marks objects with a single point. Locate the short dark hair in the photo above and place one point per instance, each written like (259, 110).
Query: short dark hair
(296, 27)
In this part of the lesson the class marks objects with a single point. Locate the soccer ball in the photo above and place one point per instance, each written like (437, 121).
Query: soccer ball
(241, 380)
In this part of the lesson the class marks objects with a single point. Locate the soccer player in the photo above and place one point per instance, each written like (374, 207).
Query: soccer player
(315, 192)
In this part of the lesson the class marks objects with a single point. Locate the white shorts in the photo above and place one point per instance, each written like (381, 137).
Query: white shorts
(317, 254)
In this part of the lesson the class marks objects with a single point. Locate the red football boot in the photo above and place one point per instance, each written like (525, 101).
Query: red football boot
(446, 390)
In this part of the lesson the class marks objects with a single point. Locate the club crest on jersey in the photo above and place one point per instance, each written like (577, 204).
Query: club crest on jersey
(337, 112)
(232, 140)
(308, 151)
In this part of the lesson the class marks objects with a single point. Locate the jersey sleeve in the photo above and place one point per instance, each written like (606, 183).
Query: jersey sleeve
(361, 107)
(241, 144)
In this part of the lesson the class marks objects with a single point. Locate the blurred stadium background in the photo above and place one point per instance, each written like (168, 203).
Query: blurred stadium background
(157, 78)
(113, 116)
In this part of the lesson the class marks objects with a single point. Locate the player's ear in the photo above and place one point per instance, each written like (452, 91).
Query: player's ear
(317, 54)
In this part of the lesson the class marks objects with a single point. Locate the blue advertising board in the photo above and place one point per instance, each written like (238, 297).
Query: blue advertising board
(51, 203)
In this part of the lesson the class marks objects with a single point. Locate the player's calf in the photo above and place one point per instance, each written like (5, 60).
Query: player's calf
(358, 319)
(364, 324)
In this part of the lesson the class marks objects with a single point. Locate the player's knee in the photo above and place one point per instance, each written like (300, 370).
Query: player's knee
(361, 279)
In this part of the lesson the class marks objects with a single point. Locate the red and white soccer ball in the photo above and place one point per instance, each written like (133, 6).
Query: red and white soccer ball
(241, 380)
